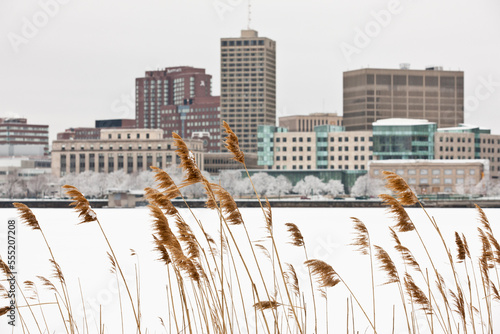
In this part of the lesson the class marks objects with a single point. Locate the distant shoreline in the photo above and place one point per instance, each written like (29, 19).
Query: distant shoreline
(370, 203)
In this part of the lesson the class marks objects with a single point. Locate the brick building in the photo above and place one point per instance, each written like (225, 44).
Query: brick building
(178, 99)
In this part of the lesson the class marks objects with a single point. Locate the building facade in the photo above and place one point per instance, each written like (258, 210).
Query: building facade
(178, 99)
(328, 147)
(216, 162)
(306, 123)
(435, 176)
(400, 138)
(18, 137)
(132, 150)
(469, 142)
(95, 133)
(374, 94)
(248, 85)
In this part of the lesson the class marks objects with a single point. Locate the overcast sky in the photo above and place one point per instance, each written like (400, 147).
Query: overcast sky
(78, 63)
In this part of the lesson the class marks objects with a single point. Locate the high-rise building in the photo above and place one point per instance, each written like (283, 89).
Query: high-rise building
(374, 94)
(178, 99)
(248, 85)
(19, 138)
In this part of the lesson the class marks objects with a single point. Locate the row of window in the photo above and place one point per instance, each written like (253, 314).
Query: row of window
(425, 171)
(110, 147)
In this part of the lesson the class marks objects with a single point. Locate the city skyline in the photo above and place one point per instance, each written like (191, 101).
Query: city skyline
(76, 66)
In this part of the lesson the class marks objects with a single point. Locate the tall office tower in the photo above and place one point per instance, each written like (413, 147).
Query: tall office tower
(374, 94)
(178, 99)
(248, 85)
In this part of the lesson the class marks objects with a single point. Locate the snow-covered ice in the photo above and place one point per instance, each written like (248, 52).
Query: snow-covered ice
(81, 253)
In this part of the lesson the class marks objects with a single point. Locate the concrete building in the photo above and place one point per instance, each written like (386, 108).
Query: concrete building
(132, 150)
(434, 176)
(18, 138)
(328, 147)
(306, 123)
(469, 142)
(374, 94)
(216, 162)
(248, 85)
(178, 99)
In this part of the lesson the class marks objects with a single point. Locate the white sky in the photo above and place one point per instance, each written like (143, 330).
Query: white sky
(81, 63)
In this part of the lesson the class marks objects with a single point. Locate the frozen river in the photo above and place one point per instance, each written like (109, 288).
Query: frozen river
(81, 253)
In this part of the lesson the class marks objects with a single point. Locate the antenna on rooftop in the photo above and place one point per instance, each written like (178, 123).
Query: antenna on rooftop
(249, 14)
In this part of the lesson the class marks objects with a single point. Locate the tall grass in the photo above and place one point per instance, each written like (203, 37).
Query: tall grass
(222, 283)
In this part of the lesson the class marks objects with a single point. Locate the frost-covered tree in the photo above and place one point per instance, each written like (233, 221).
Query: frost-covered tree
(487, 187)
(117, 180)
(243, 187)
(367, 186)
(261, 182)
(310, 185)
(229, 180)
(334, 188)
(280, 186)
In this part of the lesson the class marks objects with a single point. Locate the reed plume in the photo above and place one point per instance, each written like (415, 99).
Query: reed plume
(161, 200)
(188, 238)
(416, 294)
(5, 268)
(188, 162)
(4, 310)
(296, 235)
(461, 253)
(403, 221)
(57, 271)
(164, 257)
(112, 262)
(293, 280)
(362, 237)
(226, 202)
(27, 216)
(266, 305)
(233, 145)
(165, 183)
(81, 205)
(325, 274)
(387, 265)
(398, 185)
(406, 254)
(269, 217)
(170, 242)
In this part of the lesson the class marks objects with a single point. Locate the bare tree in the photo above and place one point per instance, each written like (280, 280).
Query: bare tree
(38, 185)
(14, 185)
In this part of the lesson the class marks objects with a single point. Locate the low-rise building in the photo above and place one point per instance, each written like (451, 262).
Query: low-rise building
(132, 150)
(216, 162)
(435, 176)
(327, 147)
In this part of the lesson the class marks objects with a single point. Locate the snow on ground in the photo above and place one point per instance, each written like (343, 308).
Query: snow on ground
(81, 253)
